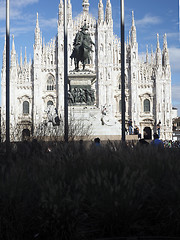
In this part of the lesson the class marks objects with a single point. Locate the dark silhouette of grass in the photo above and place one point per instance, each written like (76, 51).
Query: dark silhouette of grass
(68, 191)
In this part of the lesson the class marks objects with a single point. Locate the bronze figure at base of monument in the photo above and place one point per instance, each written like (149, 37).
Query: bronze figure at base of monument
(81, 91)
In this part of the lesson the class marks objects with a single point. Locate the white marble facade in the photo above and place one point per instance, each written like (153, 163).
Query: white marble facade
(36, 83)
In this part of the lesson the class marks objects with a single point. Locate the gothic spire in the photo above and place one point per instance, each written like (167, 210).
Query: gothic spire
(13, 53)
(147, 54)
(85, 6)
(108, 14)
(158, 52)
(158, 45)
(25, 57)
(152, 55)
(30, 61)
(133, 30)
(21, 59)
(165, 42)
(100, 11)
(4, 54)
(165, 59)
(133, 24)
(61, 11)
(17, 62)
(129, 37)
(37, 33)
(37, 21)
(69, 11)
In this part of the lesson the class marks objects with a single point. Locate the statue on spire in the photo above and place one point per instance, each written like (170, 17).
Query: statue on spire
(69, 11)
(37, 32)
(85, 5)
(100, 11)
(13, 51)
(165, 56)
(61, 11)
(158, 46)
(133, 30)
(165, 41)
(158, 52)
(108, 14)
(25, 57)
(133, 18)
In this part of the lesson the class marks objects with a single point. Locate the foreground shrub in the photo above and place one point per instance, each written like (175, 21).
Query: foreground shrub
(74, 193)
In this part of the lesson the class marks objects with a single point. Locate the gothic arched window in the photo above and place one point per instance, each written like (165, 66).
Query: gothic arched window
(25, 107)
(146, 105)
(49, 103)
(50, 83)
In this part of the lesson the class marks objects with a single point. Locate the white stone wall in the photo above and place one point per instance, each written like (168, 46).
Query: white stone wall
(144, 80)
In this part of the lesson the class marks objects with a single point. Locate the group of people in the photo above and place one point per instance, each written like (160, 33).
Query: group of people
(134, 131)
(171, 144)
(155, 142)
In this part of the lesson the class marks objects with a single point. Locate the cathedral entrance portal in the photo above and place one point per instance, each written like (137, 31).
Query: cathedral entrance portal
(147, 133)
(25, 134)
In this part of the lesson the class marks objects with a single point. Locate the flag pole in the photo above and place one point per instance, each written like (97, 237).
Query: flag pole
(65, 75)
(122, 72)
(7, 77)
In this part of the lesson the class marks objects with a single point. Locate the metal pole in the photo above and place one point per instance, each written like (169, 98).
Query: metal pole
(65, 75)
(7, 78)
(122, 72)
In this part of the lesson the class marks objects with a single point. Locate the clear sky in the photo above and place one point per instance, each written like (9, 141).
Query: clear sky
(151, 17)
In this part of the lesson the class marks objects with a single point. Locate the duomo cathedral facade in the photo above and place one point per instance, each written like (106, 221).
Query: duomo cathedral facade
(38, 83)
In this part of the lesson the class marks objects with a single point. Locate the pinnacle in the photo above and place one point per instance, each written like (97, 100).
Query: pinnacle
(85, 5)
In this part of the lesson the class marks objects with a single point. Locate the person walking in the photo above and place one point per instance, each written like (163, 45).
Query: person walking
(157, 141)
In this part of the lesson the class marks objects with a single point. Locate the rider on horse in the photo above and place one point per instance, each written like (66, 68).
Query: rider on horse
(82, 47)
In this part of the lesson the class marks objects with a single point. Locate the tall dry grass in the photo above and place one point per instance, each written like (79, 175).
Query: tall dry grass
(75, 192)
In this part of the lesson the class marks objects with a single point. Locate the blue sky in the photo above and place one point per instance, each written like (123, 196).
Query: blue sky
(151, 17)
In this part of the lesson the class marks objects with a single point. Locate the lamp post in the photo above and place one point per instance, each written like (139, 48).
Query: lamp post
(122, 72)
(7, 78)
(65, 75)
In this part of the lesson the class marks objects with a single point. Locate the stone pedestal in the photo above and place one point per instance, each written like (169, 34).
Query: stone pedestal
(81, 91)
(81, 79)
(86, 120)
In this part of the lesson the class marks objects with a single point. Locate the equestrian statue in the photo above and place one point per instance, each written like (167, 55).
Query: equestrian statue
(82, 48)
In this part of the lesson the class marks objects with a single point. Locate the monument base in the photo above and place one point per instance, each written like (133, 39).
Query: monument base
(81, 88)
(87, 122)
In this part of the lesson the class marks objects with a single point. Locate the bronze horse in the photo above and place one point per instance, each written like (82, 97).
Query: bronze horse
(82, 48)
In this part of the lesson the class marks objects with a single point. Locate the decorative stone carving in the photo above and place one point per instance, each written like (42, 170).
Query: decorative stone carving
(81, 96)
(52, 115)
